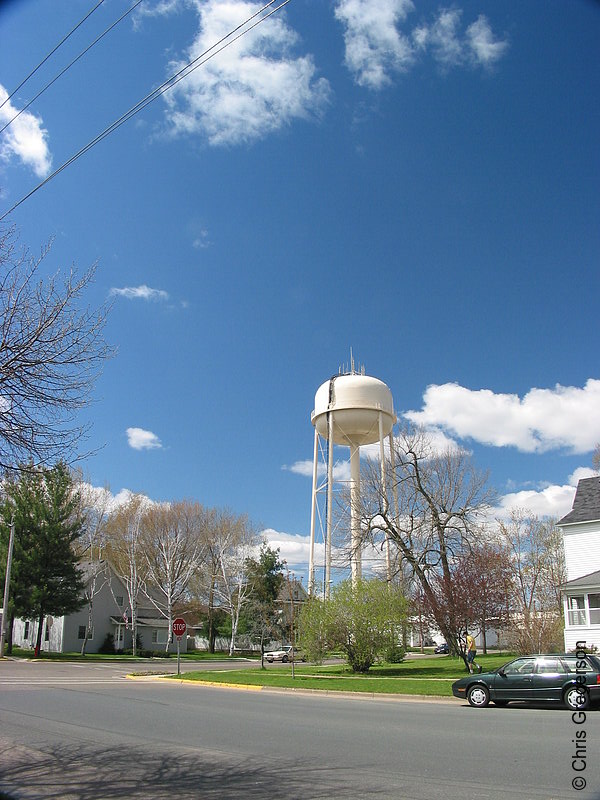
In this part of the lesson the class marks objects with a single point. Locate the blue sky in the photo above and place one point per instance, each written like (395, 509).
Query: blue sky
(413, 180)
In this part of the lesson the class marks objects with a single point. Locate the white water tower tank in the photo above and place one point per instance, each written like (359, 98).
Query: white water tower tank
(356, 403)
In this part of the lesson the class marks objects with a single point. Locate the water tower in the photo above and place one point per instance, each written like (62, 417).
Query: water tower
(351, 409)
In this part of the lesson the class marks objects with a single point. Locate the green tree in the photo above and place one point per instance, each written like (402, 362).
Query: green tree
(265, 576)
(47, 516)
(363, 621)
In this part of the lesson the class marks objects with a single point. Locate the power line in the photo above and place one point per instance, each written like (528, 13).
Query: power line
(168, 84)
(74, 61)
(43, 61)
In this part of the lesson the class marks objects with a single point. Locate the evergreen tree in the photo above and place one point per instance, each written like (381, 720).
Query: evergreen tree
(265, 575)
(48, 522)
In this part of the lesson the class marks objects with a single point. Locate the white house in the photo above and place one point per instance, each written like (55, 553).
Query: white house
(581, 593)
(110, 614)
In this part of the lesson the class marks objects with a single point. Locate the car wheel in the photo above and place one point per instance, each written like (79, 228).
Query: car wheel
(576, 698)
(269, 660)
(284, 659)
(478, 696)
(501, 703)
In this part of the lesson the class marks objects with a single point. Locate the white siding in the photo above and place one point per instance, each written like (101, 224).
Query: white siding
(591, 637)
(582, 549)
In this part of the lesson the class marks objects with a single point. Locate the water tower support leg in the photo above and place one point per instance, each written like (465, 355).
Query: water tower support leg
(388, 558)
(311, 555)
(329, 506)
(355, 513)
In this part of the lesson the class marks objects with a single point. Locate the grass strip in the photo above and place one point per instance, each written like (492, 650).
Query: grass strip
(414, 676)
(371, 685)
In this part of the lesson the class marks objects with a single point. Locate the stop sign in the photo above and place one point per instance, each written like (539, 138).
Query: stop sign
(179, 627)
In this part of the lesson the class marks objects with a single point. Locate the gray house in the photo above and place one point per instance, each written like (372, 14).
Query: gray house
(106, 611)
(581, 593)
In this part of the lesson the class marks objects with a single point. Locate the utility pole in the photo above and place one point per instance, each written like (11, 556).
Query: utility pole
(11, 542)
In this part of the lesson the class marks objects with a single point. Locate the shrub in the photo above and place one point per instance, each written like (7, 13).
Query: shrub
(358, 620)
(395, 654)
(108, 645)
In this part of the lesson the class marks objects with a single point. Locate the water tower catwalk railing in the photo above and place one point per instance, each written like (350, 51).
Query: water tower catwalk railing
(351, 409)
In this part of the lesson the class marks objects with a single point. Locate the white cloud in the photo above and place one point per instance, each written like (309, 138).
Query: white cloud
(24, 138)
(341, 469)
(376, 47)
(544, 419)
(142, 292)
(140, 439)
(251, 88)
(553, 501)
(485, 49)
(444, 38)
(201, 241)
(294, 549)
(580, 473)
(103, 499)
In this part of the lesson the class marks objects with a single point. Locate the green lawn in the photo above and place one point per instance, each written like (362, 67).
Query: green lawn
(428, 676)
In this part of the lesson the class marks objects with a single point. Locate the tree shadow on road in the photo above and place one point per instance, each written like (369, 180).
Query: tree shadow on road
(72, 772)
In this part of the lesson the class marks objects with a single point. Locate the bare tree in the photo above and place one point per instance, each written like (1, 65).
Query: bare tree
(51, 352)
(123, 548)
(173, 546)
(596, 457)
(205, 583)
(236, 544)
(441, 500)
(95, 510)
(538, 563)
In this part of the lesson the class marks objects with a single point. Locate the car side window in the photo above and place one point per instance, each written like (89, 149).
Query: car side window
(522, 666)
(574, 664)
(550, 666)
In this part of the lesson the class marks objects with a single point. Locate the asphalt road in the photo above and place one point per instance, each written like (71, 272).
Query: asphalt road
(85, 732)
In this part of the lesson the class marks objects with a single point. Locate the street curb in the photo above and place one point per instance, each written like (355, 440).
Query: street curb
(166, 679)
(414, 698)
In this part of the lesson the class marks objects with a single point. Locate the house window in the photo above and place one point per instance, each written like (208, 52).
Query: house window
(594, 604)
(26, 631)
(576, 608)
(159, 636)
(81, 632)
(119, 599)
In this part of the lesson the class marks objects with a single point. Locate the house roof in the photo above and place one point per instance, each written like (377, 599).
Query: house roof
(593, 579)
(586, 505)
(292, 589)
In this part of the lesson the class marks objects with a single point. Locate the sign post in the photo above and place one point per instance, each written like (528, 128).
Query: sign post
(179, 628)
